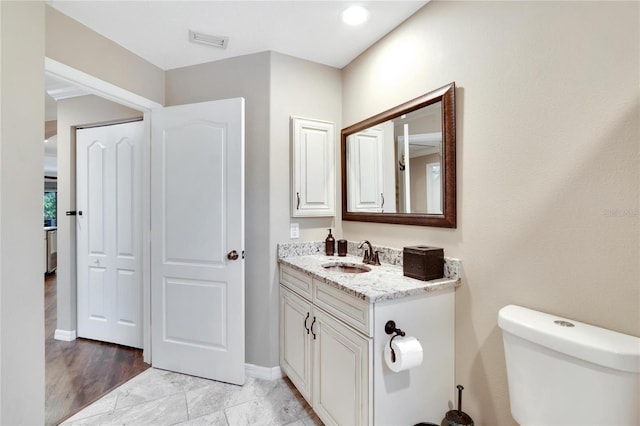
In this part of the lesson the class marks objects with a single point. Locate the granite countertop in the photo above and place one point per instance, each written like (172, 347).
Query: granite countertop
(384, 282)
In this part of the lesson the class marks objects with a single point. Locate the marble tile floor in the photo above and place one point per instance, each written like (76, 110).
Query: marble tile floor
(158, 397)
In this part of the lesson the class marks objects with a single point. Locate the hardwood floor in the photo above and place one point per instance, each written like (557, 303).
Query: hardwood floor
(81, 371)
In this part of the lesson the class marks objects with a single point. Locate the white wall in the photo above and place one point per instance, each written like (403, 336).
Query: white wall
(248, 77)
(73, 44)
(72, 113)
(548, 177)
(304, 89)
(21, 242)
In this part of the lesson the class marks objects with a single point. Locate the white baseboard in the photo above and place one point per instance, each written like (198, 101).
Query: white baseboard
(265, 373)
(66, 335)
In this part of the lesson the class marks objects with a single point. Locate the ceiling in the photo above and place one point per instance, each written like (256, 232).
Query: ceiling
(158, 31)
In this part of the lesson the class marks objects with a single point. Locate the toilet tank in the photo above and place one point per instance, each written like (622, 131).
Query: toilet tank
(563, 372)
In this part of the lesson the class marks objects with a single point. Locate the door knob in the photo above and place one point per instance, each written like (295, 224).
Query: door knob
(232, 255)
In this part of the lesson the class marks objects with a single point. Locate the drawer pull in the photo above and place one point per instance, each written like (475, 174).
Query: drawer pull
(314, 334)
(305, 323)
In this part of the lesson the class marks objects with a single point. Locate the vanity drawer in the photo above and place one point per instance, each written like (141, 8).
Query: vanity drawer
(350, 309)
(296, 281)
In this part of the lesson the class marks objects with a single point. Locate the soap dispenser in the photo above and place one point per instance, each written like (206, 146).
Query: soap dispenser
(330, 244)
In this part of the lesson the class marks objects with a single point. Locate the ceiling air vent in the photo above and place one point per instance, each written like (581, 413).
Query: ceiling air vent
(209, 40)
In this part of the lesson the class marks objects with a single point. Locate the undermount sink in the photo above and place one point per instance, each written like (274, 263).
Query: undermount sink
(348, 268)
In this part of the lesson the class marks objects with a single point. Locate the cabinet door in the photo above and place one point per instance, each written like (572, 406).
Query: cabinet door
(366, 172)
(341, 380)
(295, 340)
(313, 168)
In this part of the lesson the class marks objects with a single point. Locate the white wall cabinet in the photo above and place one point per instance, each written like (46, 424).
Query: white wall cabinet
(366, 172)
(313, 168)
(332, 345)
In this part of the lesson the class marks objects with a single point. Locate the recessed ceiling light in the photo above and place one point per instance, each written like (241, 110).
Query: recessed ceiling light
(355, 15)
(210, 40)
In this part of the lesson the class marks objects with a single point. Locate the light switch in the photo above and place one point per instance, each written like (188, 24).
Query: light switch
(295, 230)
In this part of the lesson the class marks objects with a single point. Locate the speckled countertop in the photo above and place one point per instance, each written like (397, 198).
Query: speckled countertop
(384, 282)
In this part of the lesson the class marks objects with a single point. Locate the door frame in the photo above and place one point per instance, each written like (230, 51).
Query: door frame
(132, 100)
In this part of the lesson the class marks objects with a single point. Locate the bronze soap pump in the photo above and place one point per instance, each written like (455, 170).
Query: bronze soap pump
(330, 244)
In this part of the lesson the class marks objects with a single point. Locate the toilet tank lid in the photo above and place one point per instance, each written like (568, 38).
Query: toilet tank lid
(594, 344)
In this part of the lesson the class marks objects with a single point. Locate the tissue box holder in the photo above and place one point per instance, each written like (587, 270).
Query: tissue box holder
(423, 262)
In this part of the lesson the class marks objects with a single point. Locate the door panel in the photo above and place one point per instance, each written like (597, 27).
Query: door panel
(109, 189)
(295, 340)
(194, 172)
(125, 193)
(95, 195)
(196, 301)
(97, 294)
(197, 217)
(127, 302)
(341, 372)
(314, 147)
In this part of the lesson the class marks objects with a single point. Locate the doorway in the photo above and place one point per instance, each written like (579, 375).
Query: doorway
(131, 106)
(78, 371)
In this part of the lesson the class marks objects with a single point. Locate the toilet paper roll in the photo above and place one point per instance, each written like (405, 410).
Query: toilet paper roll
(408, 353)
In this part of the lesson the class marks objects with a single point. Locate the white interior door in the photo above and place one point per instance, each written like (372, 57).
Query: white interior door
(109, 177)
(197, 233)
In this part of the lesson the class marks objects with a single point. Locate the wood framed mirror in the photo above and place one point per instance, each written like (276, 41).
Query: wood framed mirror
(399, 166)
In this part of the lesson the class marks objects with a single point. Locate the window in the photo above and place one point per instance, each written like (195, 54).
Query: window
(50, 208)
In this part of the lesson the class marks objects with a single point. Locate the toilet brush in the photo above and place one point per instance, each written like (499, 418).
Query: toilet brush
(457, 417)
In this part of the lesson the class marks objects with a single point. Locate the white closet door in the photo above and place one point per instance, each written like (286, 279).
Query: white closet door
(109, 227)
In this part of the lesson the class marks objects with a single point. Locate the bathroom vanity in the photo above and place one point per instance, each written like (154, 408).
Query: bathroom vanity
(332, 338)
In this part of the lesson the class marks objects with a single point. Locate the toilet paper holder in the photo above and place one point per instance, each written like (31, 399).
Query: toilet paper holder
(390, 328)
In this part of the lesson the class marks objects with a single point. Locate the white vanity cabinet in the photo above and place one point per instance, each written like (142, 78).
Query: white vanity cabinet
(313, 167)
(324, 358)
(332, 350)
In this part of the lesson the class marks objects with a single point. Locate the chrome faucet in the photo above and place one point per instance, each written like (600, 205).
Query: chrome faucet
(370, 257)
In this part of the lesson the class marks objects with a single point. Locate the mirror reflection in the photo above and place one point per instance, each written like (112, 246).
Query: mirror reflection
(396, 166)
(399, 166)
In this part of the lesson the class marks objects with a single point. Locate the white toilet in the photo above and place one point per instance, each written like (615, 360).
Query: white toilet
(563, 372)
